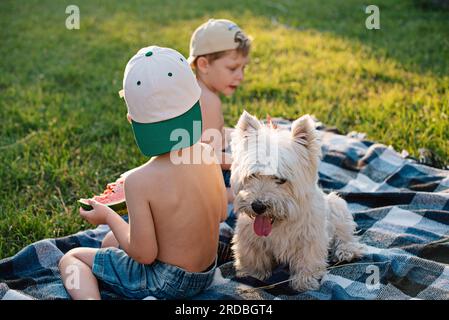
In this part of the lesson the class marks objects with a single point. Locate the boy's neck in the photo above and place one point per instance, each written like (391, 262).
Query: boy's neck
(203, 84)
(166, 156)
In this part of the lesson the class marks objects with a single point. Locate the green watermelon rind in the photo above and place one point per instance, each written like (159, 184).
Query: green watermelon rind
(118, 207)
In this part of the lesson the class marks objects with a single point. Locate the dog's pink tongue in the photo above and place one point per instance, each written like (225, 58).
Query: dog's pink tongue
(262, 226)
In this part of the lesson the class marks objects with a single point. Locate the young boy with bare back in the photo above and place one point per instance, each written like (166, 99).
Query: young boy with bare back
(219, 52)
(168, 249)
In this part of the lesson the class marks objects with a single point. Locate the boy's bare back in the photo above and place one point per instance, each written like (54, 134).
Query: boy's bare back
(187, 202)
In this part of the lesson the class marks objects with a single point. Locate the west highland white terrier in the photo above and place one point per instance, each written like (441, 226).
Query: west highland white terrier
(283, 216)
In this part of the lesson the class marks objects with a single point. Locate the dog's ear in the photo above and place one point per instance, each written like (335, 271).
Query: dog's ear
(303, 130)
(247, 123)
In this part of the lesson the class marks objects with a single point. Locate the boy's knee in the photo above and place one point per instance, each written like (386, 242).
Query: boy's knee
(61, 262)
(109, 241)
(64, 259)
(81, 254)
(73, 253)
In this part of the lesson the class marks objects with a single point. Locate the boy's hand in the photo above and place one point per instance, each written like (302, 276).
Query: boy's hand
(99, 213)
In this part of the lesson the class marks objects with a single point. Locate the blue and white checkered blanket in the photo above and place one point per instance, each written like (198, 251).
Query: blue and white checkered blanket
(401, 209)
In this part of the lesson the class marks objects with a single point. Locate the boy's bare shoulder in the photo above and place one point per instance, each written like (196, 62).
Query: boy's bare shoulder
(211, 111)
(140, 177)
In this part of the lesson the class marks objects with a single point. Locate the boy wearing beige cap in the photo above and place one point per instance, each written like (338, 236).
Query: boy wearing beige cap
(219, 52)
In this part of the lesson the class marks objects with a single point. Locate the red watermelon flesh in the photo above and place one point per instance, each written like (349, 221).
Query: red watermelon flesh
(114, 192)
(113, 196)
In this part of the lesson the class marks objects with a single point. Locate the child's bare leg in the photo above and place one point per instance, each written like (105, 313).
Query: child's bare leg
(109, 241)
(76, 272)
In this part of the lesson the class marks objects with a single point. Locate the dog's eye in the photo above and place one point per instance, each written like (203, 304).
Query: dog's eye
(280, 180)
(252, 176)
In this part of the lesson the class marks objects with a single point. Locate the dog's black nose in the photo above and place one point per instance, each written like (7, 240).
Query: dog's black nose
(258, 207)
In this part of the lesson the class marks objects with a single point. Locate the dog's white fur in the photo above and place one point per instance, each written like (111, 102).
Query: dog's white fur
(307, 222)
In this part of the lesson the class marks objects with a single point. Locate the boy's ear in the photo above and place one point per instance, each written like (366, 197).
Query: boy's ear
(202, 64)
(247, 123)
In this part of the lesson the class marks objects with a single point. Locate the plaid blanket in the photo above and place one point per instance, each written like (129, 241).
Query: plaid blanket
(401, 209)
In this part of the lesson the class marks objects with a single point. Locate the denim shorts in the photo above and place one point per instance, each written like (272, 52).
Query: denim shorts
(227, 177)
(132, 280)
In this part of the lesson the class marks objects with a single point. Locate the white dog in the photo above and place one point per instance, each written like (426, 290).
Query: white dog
(283, 216)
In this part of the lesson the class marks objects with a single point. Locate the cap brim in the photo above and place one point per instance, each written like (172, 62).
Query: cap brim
(169, 135)
(190, 59)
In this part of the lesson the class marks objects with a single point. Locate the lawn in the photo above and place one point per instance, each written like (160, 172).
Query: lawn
(64, 133)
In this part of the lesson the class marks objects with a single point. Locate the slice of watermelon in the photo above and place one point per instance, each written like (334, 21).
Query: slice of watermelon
(113, 196)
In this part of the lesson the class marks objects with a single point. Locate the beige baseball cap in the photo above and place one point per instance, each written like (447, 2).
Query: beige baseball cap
(212, 36)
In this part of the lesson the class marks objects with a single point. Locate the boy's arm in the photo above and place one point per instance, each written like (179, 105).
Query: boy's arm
(226, 156)
(138, 239)
(224, 202)
(224, 209)
(120, 229)
(226, 160)
(213, 123)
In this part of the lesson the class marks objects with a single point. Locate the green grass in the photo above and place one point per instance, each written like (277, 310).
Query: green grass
(63, 132)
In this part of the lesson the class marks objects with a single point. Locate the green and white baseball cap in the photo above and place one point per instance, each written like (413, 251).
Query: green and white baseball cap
(162, 96)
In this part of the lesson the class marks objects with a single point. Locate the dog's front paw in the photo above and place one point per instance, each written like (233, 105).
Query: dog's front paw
(262, 275)
(241, 273)
(258, 274)
(241, 270)
(304, 282)
(348, 251)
